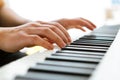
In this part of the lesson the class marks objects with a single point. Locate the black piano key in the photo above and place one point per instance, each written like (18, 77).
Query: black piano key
(50, 76)
(61, 69)
(106, 31)
(85, 46)
(102, 34)
(78, 55)
(73, 59)
(93, 41)
(67, 63)
(94, 37)
(27, 78)
(82, 52)
(89, 47)
(91, 44)
(84, 49)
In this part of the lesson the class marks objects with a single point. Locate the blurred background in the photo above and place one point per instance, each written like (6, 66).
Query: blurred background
(99, 12)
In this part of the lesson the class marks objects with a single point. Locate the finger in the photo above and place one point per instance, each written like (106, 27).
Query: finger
(85, 23)
(34, 24)
(80, 27)
(36, 40)
(30, 27)
(51, 35)
(48, 40)
(41, 22)
(64, 31)
(89, 22)
(60, 33)
(45, 31)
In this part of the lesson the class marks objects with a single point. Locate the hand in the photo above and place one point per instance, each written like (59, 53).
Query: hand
(32, 34)
(76, 23)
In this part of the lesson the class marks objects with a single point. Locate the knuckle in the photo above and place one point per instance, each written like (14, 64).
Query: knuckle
(34, 24)
(53, 27)
(57, 24)
(46, 29)
(43, 43)
(34, 39)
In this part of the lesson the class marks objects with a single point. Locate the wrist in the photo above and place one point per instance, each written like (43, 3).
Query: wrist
(62, 22)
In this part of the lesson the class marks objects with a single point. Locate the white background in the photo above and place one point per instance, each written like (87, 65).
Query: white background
(47, 10)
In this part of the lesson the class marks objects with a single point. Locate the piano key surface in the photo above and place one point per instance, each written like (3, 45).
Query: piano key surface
(65, 69)
(68, 63)
(82, 52)
(59, 66)
(109, 68)
(50, 76)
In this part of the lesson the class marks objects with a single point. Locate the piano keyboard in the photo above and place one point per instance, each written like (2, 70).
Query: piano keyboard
(76, 61)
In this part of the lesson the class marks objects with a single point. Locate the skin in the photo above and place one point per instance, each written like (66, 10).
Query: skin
(17, 32)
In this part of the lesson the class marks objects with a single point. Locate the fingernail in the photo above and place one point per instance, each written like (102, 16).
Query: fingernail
(51, 47)
(68, 43)
(63, 45)
(70, 40)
